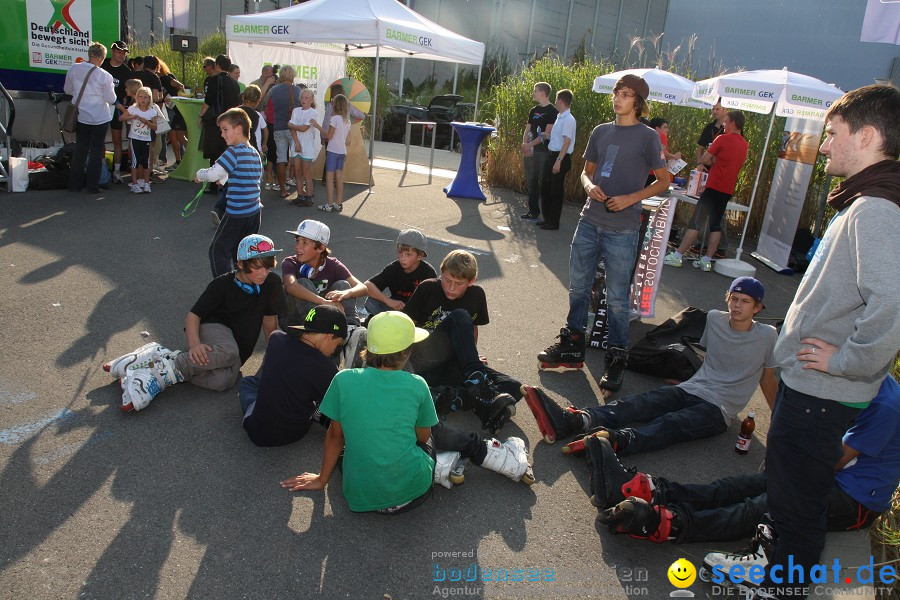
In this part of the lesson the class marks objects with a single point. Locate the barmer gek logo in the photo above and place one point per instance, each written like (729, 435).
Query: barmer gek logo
(61, 16)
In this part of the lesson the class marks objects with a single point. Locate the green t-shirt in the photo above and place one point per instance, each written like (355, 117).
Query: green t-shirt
(379, 411)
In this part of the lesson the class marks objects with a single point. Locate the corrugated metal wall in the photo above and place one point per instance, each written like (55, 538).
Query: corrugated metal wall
(814, 37)
(521, 27)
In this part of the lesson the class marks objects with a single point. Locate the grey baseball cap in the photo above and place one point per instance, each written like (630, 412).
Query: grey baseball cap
(414, 239)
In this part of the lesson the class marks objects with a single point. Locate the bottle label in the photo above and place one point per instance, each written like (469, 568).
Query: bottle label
(743, 444)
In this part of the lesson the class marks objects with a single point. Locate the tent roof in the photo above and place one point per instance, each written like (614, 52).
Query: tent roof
(355, 28)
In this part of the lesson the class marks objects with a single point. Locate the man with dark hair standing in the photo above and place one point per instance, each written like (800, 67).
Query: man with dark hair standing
(559, 162)
(724, 159)
(842, 331)
(617, 159)
(534, 145)
(115, 66)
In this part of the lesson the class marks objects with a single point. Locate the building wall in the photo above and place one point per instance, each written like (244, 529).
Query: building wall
(819, 38)
(521, 28)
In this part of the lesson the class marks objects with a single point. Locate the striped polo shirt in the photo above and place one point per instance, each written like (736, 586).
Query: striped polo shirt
(244, 169)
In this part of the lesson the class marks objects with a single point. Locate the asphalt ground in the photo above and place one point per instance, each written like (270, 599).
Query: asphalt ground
(174, 501)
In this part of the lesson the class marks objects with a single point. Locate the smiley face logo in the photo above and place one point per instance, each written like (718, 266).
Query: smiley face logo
(682, 573)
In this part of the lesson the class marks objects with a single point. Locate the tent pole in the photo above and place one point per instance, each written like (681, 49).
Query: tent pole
(477, 90)
(762, 159)
(374, 118)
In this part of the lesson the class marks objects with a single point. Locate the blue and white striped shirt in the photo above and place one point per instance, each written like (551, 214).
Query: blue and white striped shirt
(242, 163)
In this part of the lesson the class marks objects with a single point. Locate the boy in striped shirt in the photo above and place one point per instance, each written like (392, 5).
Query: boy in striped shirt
(241, 168)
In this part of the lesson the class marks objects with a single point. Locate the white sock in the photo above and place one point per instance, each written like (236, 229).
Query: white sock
(704, 259)
(677, 254)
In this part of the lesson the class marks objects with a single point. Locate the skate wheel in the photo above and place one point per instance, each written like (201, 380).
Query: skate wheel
(457, 479)
(528, 477)
(106, 367)
(566, 449)
(549, 439)
(704, 575)
(127, 407)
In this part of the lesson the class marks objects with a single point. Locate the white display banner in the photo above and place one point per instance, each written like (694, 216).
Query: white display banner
(796, 159)
(177, 14)
(59, 33)
(315, 70)
(650, 259)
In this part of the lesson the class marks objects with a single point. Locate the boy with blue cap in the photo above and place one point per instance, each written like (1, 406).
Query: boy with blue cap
(221, 330)
(738, 356)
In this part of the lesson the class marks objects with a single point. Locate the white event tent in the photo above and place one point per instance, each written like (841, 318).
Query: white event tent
(379, 28)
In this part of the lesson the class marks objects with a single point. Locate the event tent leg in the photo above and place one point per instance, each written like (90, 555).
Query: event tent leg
(736, 267)
(374, 118)
(477, 90)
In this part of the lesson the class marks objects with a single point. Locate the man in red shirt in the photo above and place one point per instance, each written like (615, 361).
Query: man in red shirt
(724, 159)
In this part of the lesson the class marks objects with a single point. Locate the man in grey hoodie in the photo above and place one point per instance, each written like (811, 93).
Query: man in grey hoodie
(842, 331)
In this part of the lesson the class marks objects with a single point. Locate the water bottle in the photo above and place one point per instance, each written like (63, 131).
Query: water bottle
(540, 136)
(747, 426)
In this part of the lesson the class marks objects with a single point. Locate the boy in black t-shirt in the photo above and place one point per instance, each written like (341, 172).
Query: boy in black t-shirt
(221, 331)
(281, 403)
(402, 276)
(451, 308)
(541, 118)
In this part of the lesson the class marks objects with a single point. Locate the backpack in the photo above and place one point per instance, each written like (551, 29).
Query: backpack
(672, 349)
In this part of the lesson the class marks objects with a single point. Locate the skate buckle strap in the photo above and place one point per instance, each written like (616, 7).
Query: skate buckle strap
(639, 487)
(662, 532)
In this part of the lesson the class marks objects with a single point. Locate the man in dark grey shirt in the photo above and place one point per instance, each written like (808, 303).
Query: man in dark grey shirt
(616, 161)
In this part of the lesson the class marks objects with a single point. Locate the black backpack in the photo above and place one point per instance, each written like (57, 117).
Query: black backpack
(671, 350)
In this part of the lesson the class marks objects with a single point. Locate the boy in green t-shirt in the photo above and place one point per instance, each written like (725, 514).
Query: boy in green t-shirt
(381, 416)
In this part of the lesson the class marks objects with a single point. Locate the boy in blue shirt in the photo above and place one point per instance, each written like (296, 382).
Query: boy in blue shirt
(239, 167)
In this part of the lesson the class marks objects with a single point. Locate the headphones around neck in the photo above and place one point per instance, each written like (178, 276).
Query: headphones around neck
(247, 288)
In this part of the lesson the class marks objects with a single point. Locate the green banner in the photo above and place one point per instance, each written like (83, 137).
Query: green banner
(49, 36)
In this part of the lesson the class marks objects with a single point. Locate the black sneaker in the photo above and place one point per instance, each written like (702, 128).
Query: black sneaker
(554, 422)
(616, 361)
(610, 481)
(529, 216)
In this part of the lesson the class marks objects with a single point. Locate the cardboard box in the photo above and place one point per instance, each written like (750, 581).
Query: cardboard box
(696, 182)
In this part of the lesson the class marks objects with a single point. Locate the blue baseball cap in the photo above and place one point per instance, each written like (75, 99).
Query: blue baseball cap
(750, 286)
(256, 246)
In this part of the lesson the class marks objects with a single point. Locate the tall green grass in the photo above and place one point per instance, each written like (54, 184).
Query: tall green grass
(193, 63)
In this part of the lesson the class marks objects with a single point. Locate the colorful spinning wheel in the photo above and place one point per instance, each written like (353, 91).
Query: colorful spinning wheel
(356, 91)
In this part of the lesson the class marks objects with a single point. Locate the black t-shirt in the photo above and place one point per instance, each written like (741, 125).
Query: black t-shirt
(541, 116)
(150, 80)
(231, 92)
(120, 75)
(224, 302)
(709, 133)
(401, 283)
(292, 383)
(254, 123)
(429, 305)
(166, 82)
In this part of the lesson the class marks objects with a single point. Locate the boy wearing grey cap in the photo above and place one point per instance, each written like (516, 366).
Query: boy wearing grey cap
(402, 276)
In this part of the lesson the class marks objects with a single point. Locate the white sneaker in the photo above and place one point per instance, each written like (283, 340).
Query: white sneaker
(267, 186)
(444, 464)
(289, 182)
(672, 260)
(136, 359)
(216, 218)
(146, 188)
(703, 265)
(509, 458)
(136, 188)
(140, 386)
(356, 343)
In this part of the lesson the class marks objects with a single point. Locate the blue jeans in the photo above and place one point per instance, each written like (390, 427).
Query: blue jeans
(619, 250)
(670, 414)
(453, 339)
(804, 444)
(248, 388)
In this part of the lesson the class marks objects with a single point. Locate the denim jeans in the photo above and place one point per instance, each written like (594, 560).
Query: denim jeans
(453, 339)
(248, 388)
(804, 443)
(450, 439)
(534, 174)
(297, 308)
(373, 307)
(90, 149)
(619, 249)
(670, 415)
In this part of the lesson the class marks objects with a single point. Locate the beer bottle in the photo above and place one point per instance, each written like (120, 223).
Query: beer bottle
(747, 426)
